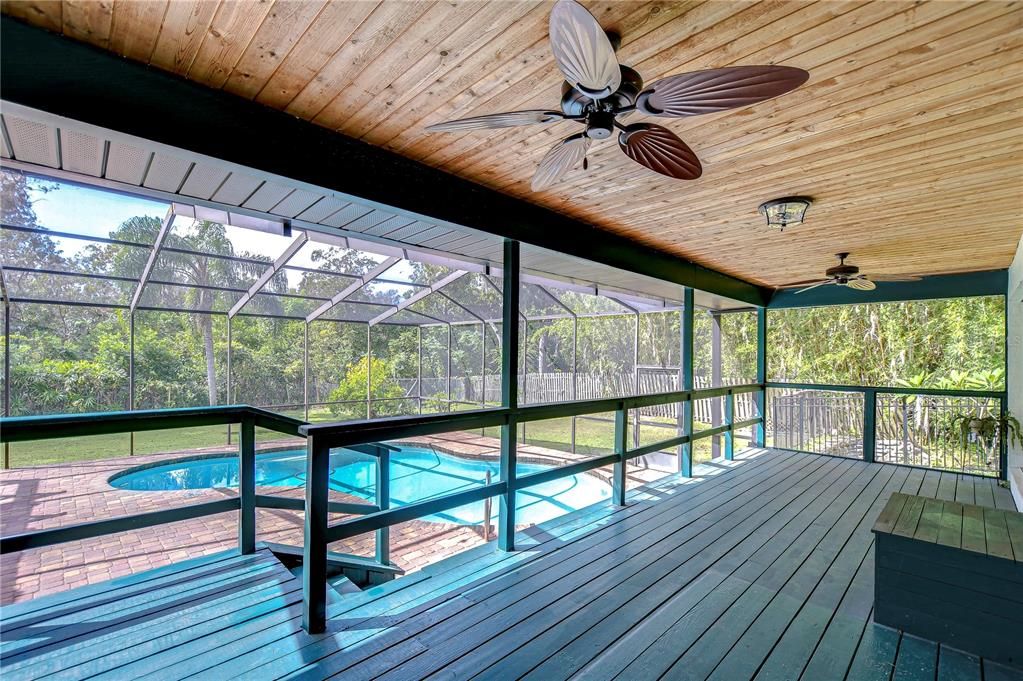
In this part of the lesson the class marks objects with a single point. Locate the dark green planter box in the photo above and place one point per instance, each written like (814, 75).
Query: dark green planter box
(951, 573)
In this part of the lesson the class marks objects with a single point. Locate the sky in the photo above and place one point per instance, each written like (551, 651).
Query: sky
(95, 212)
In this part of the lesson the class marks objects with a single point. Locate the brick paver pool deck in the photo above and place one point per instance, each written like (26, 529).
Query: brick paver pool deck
(56, 495)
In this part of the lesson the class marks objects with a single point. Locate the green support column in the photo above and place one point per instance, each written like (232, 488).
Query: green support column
(383, 485)
(759, 432)
(729, 420)
(686, 357)
(247, 486)
(509, 392)
(621, 445)
(314, 553)
(869, 416)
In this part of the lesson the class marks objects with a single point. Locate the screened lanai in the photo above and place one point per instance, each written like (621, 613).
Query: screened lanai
(314, 367)
(316, 325)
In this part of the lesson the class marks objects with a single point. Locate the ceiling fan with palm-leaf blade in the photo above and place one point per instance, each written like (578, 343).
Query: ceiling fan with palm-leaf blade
(598, 90)
(849, 276)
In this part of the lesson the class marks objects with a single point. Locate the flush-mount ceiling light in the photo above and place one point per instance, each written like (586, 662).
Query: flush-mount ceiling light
(781, 213)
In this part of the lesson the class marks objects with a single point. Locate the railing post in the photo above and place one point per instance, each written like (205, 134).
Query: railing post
(686, 362)
(729, 421)
(314, 555)
(384, 502)
(621, 446)
(760, 397)
(247, 485)
(1003, 441)
(869, 432)
(509, 393)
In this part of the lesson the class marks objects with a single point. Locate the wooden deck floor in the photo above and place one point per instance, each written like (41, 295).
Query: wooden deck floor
(759, 568)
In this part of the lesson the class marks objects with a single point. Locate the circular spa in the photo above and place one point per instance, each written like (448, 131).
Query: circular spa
(417, 474)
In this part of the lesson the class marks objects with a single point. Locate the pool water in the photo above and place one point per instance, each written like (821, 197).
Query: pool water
(417, 474)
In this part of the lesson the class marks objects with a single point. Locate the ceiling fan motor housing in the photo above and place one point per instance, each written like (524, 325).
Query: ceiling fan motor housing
(575, 103)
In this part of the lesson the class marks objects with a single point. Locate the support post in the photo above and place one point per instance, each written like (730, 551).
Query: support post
(621, 440)
(230, 399)
(686, 360)
(525, 372)
(760, 397)
(314, 553)
(305, 371)
(419, 368)
(247, 485)
(369, 373)
(1003, 438)
(447, 372)
(635, 379)
(483, 366)
(869, 433)
(509, 392)
(131, 379)
(729, 421)
(575, 370)
(383, 484)
(7, 372)
(715, 380)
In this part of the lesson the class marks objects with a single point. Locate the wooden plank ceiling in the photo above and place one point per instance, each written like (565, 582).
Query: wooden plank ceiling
(907, 135)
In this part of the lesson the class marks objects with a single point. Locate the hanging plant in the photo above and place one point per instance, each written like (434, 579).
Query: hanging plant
(986, 428)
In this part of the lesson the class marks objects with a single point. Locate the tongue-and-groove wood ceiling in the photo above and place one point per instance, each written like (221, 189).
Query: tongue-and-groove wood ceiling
(907, 136)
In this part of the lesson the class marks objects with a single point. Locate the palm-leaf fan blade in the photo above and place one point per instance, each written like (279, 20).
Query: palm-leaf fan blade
(702, 92)
(582, 50)
(661, 150)
(498, 120)
(562, 157)
(861, 284)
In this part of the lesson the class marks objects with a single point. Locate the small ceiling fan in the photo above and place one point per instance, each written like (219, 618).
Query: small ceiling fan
(598, 91)
(847, 275)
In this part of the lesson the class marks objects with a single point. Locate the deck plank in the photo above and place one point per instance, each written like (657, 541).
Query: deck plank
(509, 599)
(837, 556)
(955, 665)
(285, 645)
(758, 568)
(758, 580)
(617, 623)
(917, 659)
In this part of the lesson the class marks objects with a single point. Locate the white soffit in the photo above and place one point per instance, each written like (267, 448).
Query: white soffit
(91, 155)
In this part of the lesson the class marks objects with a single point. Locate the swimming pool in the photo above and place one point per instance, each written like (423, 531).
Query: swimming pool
(417, 473)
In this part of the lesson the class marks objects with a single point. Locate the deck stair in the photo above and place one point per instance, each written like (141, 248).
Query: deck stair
(115, 626)
(357, 570)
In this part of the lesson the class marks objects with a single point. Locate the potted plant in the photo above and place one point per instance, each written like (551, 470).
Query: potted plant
(977, 426)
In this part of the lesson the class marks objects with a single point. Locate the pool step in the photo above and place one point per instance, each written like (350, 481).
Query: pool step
(357, 570)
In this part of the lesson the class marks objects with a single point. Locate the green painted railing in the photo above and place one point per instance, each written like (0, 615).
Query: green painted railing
(870, 425)
(27, 428)
(321, 438)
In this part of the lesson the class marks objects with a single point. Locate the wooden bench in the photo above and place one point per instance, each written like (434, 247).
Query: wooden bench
(951, 573)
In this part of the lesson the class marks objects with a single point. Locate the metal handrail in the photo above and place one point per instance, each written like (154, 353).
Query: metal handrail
(870, 394)
(321, 438)
(886, 389)
(28, 428)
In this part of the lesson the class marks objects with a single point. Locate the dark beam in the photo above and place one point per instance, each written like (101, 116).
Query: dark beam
(46, 71)
(990, 283)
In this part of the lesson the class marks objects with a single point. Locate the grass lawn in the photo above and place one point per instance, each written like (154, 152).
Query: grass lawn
(593, 438)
